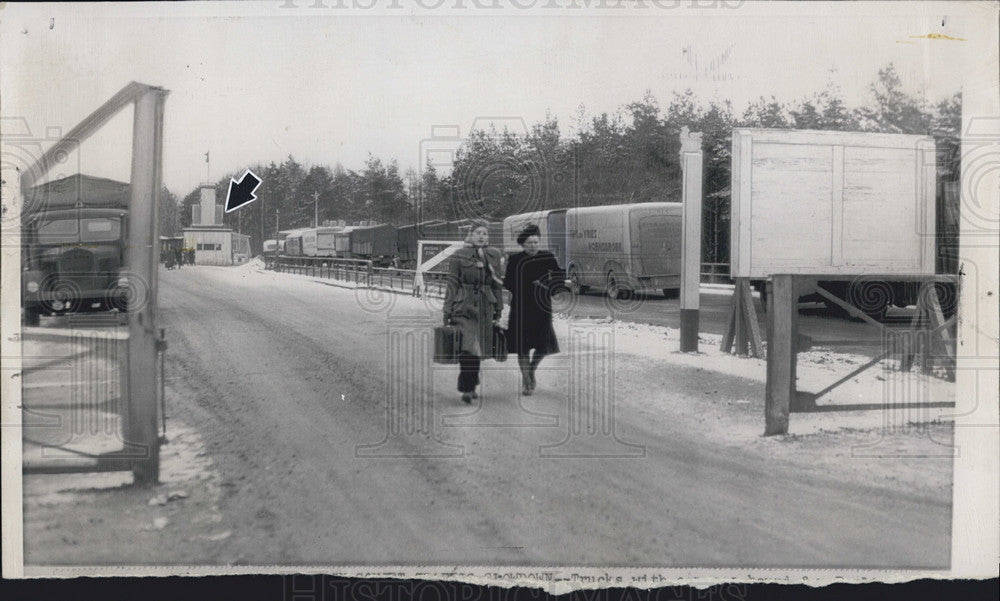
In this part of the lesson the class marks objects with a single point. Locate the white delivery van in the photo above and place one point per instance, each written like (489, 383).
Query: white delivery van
(624, 249)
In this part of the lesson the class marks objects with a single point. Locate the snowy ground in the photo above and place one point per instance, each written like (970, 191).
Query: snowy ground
(882, 386)
(279, 391)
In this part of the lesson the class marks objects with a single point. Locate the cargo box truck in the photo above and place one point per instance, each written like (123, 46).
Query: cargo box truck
(319, 241)
(342, 241)
(375, 242)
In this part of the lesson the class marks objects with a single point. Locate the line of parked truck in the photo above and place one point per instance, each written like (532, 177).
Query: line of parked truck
(619, 248)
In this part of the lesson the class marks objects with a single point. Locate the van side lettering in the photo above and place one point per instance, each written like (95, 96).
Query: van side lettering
(605, 246)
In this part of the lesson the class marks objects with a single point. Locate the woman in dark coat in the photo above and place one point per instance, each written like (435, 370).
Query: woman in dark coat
(474, 301)
(530, 275)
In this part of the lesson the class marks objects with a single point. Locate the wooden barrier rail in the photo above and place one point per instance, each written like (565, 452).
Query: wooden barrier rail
(360, 272)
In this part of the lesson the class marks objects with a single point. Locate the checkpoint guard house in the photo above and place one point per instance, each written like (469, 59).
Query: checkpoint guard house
(212, 241)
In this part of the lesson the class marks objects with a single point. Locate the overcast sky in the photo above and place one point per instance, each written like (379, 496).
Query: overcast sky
(328, 88)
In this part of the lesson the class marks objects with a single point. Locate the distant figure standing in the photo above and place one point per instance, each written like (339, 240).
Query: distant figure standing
(190, 256)
(529, 276)
(474, 301)
(178, 257)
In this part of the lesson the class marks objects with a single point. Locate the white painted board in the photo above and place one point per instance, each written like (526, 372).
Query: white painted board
(831, 203)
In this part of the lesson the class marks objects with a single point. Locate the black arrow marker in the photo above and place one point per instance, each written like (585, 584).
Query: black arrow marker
(241, 193)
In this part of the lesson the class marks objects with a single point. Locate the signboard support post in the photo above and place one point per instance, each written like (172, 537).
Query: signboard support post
(691, 168)
(743, 326)
(782, 347)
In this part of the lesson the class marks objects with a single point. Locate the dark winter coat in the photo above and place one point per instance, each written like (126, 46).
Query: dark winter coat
(474, 297)
(530, 279)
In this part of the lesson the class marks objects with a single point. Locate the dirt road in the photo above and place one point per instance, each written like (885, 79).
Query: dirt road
(288, 390)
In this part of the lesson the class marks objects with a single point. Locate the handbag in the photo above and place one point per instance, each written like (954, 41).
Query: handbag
(447, 344)
(499, 351)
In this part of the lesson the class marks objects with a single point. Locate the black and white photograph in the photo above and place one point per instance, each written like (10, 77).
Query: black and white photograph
(557, 293)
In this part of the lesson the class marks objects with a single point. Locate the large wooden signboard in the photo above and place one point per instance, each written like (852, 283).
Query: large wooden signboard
(831, 203)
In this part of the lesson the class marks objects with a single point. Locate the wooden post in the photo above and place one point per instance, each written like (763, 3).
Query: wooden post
(743, 327)
(691, 167)
(782, 346)
(140, 260)
(936, 343)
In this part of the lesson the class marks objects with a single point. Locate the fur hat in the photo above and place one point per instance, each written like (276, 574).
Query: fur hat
(475, 224)
(529, 230)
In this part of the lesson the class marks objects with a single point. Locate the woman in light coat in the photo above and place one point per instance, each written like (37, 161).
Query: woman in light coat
(474, 301)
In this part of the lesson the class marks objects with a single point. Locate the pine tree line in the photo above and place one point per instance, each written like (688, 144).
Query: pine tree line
(629, 155)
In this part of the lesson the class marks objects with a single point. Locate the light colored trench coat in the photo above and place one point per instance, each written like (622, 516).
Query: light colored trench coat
(474, 297)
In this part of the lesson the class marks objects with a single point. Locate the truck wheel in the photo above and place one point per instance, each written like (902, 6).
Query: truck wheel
(615, 291)
(574, 276)
(31, 317)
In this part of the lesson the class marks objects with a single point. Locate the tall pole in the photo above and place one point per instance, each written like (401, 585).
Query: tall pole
(141, 261)
(208, 176)
(315, 209)
(691, 169)
(277, 223)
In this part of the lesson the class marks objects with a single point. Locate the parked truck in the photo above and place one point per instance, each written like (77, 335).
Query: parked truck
(319, 241)
(293, 243)
(73, 247)
(376, 242)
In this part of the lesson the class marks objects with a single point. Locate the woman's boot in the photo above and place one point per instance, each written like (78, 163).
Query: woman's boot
(525, 365)
(532, 367)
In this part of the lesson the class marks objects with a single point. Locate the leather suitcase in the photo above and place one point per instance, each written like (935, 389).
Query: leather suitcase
(447, 344)
(499, 344)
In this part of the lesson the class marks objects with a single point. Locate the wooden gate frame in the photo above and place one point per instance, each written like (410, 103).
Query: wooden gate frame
(141, 258)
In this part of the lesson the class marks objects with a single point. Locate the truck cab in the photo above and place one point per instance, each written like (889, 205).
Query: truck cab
(72, 261)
